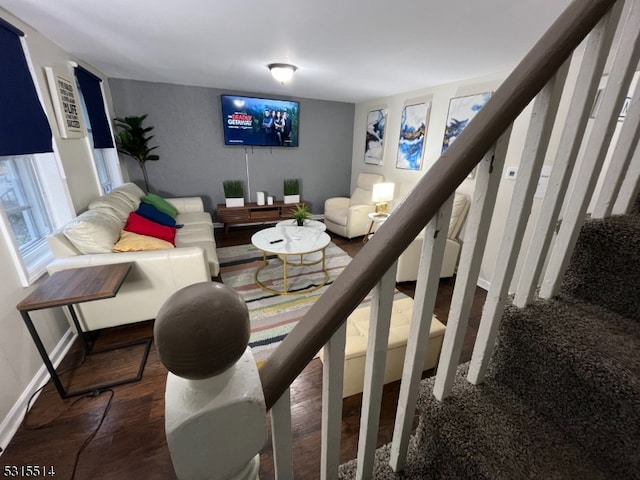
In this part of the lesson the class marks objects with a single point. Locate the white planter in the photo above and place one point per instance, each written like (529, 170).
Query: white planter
(292, 199)
(234, 202)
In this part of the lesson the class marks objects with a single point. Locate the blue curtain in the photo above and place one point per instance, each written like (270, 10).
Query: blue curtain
(24, 127)
(90, 87)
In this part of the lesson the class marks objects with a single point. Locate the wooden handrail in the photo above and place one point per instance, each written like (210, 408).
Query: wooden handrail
(406, 221)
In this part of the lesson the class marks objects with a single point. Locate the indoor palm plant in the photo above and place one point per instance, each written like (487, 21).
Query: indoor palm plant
(132, 140)
(301, 213)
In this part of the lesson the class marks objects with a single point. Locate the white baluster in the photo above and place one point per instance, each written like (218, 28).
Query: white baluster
(624, 65)
(630, 186)
(593, 61)
(475, 240)
(379, 322)
(426, 291)
(281, 437)
(620, 160)
(543, 117)
(332, 381)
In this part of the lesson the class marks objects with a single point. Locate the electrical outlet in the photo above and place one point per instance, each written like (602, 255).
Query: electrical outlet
(511, 173)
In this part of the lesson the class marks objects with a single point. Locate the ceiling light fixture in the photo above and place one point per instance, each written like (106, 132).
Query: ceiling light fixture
(282, 72)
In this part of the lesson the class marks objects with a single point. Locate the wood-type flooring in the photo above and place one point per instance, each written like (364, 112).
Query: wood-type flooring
(119, 433)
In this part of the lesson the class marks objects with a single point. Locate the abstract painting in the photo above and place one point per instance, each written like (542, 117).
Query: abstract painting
(413, 131)
(374, 143)
(461, 111)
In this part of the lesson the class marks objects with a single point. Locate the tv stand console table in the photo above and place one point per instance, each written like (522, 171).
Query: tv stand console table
(253, 213)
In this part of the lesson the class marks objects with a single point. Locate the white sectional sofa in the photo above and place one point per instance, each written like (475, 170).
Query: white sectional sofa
(155, 274)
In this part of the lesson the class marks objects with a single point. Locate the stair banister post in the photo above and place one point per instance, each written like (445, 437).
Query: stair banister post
(215, 414)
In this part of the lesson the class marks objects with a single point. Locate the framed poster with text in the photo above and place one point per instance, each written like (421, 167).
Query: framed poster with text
(66, 103)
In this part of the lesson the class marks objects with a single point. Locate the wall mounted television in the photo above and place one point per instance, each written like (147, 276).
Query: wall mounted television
(262, 122)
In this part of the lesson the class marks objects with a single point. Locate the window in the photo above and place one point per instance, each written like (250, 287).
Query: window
(105, 159)
(30, 179)
(29, 186)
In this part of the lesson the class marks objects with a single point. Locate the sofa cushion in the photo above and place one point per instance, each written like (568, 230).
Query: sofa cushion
(133, 242)
(131, 190)
(114, 205)
(152, 213)
(160, 203)
(93, 232)
(140, 225)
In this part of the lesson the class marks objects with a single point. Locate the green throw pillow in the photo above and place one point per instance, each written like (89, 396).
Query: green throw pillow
(160, 203)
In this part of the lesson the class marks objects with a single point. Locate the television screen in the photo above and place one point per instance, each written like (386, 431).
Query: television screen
(260, 122)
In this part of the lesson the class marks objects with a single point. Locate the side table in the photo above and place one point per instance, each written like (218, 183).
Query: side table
(69, 287)
(375, 218)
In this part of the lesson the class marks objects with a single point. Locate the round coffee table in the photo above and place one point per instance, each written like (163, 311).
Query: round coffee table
(292, 241)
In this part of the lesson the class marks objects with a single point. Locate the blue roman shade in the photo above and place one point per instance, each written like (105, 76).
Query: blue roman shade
(24, 127)
(92, 94)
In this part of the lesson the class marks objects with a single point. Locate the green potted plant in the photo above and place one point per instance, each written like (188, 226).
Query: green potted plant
(292, 190)
(132, 140)
(233, 193)
(301, 213)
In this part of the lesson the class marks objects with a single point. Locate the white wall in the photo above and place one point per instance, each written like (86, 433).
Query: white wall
(19, 359)
(440, 96)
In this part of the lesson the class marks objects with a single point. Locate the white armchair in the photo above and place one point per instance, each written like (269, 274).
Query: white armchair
(410, 259)
(348, 217)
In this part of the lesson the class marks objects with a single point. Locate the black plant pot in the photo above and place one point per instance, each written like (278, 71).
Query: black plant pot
(300, 222)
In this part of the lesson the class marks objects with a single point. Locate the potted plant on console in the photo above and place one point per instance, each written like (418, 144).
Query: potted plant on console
(292, 190)
(233, 193)
(301, 213)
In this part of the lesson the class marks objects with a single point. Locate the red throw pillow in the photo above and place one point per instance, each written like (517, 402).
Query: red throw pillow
(140, 225)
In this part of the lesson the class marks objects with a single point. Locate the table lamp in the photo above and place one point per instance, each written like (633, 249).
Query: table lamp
(381, 195)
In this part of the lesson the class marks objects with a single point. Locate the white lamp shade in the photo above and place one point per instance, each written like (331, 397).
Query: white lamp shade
(382, 192)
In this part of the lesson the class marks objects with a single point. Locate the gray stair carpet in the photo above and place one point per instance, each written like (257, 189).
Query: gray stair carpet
(561, 399)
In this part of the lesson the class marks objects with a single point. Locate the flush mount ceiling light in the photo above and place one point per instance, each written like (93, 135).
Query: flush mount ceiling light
(282, 72)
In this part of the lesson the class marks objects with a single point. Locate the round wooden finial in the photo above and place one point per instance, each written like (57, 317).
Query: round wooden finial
(202, 330)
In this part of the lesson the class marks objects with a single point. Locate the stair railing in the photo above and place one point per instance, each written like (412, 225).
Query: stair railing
(541, 75)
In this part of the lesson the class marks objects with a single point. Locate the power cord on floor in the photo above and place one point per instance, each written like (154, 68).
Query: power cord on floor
(95, 432)
(92, 394)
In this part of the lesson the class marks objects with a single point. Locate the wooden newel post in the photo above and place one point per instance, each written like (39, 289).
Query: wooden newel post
(215, 414)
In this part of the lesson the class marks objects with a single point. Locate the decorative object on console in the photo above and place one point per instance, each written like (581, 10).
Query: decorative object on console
(291, 190)
(260, 198)
(301, 213)
(132, 140)
(233, 193)
(374, 141)
(381, 195)
(269, 200)
(461, 112)
(413, 131)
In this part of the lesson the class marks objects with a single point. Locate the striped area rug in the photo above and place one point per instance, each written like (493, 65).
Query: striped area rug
(273, 316)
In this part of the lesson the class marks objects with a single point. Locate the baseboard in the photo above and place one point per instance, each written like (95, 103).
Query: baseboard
(14, 418)
(483, 283)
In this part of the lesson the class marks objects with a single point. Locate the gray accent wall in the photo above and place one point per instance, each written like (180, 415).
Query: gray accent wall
(194, 159)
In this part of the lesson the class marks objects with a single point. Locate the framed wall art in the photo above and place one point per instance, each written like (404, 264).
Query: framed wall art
(413, 131)
(66, 104)
(461, 112)
(374, 141)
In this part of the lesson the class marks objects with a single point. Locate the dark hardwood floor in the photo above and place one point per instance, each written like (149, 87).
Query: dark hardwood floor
(119, 433)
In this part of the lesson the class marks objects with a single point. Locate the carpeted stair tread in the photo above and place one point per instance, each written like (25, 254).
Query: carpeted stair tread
(484, 432)
(579, 366)
(605, 266)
